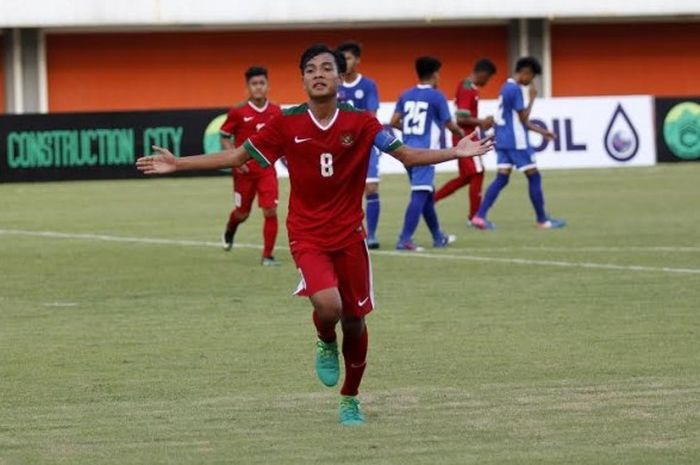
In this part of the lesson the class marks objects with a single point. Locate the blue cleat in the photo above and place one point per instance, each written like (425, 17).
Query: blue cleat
(552, 223)
(372, 243)
(350, 414)
(444, 241)
(327, 366)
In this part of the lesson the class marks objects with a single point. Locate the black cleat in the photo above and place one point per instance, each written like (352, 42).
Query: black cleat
(227, 240)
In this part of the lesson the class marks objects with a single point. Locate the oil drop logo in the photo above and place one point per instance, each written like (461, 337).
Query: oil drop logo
(621, 139)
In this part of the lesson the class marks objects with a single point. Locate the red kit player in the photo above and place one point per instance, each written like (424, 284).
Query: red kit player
(243, 121)
(471, 170)
(327, 147)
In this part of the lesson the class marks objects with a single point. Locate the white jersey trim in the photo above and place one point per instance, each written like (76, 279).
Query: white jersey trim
(353, 83)
(259, 110)
(319, 125)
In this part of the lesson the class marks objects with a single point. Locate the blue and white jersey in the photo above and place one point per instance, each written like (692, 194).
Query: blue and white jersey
(361, 94)
(511, 133)
(424, 113)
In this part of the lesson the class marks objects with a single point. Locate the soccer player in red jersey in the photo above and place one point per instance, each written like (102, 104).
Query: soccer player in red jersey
(471, 170)
(327, 147)
(244, 120)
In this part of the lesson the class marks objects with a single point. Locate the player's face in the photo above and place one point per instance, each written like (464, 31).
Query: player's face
(321, 78)
(481, 78)
(257, 87)
(526, 76)
(352, 61)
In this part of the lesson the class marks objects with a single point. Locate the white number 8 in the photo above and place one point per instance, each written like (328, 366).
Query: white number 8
(326, 165)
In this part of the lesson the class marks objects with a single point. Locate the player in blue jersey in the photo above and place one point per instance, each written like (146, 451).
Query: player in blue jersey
(422, 114)
(361, 92)
(513, 147)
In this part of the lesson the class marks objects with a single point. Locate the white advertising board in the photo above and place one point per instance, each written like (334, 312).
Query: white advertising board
(593, 132)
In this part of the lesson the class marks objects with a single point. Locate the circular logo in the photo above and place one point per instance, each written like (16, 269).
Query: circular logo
(212, 137)
(682, 130)
(359, 93)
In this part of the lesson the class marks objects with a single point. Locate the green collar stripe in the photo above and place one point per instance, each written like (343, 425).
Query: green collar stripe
(256, 154)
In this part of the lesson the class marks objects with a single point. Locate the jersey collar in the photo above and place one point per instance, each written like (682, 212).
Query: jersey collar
(318, 125)
(259, 110)
(353, 83)
(424, 86)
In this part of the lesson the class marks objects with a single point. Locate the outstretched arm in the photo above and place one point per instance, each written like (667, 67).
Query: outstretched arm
(164, 162)
(411, 156)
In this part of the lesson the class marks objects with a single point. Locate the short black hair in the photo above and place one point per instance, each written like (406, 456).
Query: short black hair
(427, 66)
(529, 62)
(253, 71)
(318, 49)
(351, 46)
(484, 65)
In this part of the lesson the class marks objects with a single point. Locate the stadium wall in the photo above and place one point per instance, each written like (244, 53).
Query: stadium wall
(2, 75)
(205, 69)
(631, 58)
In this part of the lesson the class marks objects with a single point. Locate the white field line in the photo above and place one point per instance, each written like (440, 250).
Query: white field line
(438, 256)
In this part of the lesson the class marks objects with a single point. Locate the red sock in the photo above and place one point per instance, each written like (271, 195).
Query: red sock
(269, 235)
(355, 355)
(475, 184)
(233, 222)
(325, 332)
(451, 186)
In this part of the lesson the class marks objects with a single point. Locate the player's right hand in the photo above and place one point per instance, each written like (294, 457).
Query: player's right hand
(467, 147)
(161, 162)
(533, 91)
(243, 169)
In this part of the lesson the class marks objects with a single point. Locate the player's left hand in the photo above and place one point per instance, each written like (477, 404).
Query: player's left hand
(467, 147)
(162, 162)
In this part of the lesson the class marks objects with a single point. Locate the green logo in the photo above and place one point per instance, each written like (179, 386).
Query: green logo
(682, 130)
(212, 138)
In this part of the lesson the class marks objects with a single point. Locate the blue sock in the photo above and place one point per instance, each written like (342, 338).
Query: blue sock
(372, 211)
(536, 196)
(413, 213)
(492, 192)
(431, 219)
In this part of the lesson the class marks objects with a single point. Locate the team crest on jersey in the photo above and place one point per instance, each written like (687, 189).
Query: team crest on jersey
(359, 93)
(347, 139)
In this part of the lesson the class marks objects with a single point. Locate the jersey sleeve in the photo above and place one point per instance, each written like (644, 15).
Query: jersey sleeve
(517, 100)
(443, 109)
(384, 139)
(228, 129)
(372, 97)
(266, 146)
(399, 106)
(464, 101)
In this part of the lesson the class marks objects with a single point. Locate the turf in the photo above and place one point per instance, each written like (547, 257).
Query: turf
(519, 346)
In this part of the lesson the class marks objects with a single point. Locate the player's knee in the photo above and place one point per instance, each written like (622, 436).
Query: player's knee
(241, 215)
(504, 176)
(531, 172)
(269, 212)
(352, 325)
(327, 306)
(371, 188)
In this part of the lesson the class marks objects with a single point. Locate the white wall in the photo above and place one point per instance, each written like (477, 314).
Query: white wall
(260, 13)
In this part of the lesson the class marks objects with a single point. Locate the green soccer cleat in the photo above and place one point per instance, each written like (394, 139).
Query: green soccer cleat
(327, 366)
(350, 414)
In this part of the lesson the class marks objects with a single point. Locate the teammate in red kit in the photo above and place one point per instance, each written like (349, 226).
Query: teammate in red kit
(250, 179)
(471, 170)
(327, 147)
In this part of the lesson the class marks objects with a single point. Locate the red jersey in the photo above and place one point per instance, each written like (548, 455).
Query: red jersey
(467, 102)
(244, 120)
(327, 170)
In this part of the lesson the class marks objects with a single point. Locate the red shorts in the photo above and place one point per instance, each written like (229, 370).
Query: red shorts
(470, 166)
(247, 185)
(347, 269)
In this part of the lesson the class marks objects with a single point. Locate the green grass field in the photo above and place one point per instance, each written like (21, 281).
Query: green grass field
(579, 346)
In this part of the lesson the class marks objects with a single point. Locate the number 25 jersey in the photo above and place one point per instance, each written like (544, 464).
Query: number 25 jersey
(327, 170)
